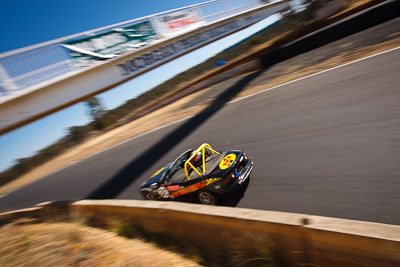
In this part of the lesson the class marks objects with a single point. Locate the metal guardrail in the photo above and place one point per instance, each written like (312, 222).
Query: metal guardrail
(23, 68)
(34, 66)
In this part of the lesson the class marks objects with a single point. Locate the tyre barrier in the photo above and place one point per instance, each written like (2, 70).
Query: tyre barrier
(295, 239)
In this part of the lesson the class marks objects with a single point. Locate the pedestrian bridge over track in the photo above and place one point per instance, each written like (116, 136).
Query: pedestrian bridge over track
(38, 80)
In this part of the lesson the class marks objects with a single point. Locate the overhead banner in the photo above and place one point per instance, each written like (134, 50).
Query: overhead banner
(158, 56)
(179, 21)
(110, 44)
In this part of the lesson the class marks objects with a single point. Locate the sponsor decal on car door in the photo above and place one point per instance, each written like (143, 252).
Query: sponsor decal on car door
(194, 187)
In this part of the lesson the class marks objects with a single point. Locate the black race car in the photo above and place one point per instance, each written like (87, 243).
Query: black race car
(203, 174)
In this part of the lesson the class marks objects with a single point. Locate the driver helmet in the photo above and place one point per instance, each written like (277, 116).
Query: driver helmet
(196, 158)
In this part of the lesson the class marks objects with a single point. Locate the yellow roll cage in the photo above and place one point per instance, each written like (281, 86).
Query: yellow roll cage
(201, 149)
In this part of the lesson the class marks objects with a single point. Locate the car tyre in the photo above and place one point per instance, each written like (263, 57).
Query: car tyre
(207, 198)
(148, 195)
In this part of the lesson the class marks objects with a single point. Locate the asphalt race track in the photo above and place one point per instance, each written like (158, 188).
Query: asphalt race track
(325, 145)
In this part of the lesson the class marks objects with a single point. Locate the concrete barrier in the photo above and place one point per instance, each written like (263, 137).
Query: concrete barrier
(213, 230)
(32, 213)
(293, 239)
(339, 242)
(352, 24)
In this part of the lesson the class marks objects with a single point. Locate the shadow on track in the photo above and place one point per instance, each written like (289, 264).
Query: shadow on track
(124, 177)
(233, 200)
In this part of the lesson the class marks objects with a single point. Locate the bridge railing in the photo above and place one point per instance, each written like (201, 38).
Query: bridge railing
(34, 66)
(24, 68)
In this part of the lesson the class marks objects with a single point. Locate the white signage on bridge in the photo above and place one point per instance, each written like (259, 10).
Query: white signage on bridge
(179, 21)
(155, 57)
(111, 43)
(64, 90)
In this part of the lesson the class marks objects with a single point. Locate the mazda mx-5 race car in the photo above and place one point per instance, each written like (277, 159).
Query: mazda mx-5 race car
(203, 174)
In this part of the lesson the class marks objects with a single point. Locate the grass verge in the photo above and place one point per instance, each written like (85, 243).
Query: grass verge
(75, 242)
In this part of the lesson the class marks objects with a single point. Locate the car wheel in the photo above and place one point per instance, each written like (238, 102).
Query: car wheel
(148, 195)
(207, 198)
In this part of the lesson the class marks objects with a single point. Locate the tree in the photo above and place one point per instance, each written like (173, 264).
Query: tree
(78, 133)
(307, 7)
(96, 111)
(313, 5)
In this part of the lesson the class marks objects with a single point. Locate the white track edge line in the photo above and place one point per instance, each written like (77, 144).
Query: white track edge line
(314, 74)
(265, 90)
(233, 101)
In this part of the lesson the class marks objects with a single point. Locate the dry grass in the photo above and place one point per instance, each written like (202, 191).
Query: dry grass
(69, 244)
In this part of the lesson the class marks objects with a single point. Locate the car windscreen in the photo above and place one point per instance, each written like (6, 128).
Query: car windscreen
(178, 164)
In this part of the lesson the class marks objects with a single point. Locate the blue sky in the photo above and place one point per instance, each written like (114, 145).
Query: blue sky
(30, 22)
(26, 22)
